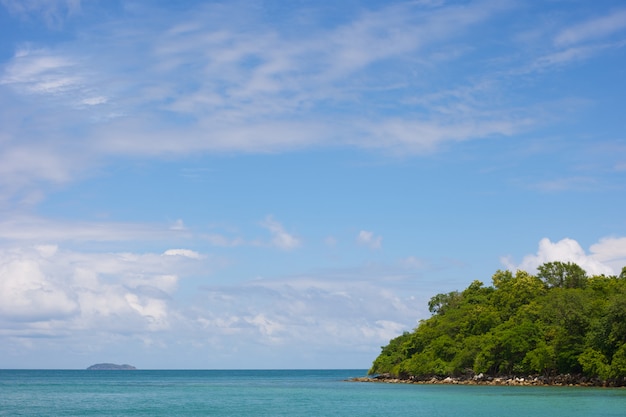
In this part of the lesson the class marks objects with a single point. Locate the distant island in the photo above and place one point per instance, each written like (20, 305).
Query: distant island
(559, 327)
(111, 367)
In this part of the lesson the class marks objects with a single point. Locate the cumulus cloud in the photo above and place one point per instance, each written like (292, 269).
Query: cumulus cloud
(280, 238)
(368, 239)
(607, 257)
(68, 289)
(76, 297)
(610, 251)
(27, 293)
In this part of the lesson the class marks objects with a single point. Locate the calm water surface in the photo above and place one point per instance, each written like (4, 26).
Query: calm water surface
(281, 393)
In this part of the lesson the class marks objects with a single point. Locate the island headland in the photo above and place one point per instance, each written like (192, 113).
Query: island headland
(558, 327)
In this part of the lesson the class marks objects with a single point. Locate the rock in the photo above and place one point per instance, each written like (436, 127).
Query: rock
(482, 379)
(361, 379)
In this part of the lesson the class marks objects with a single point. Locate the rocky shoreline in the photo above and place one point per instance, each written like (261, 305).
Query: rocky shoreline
(566, 380)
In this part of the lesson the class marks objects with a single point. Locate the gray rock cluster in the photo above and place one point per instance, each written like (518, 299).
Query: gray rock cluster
(481, 379)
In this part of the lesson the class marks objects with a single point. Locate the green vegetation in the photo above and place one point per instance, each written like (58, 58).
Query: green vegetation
(560, 321)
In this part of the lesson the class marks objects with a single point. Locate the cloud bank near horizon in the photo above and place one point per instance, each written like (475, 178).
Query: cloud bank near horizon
(57, 295)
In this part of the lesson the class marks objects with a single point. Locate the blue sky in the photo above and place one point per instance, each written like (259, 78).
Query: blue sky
(269, 184)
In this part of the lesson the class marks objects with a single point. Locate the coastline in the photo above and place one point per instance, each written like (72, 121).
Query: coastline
(566, 380)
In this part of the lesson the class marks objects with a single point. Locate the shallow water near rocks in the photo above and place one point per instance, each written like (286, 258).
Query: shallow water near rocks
(281, 393)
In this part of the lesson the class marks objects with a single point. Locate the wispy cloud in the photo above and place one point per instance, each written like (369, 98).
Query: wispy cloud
(592, 29)
(370, 240)
(217, 89)
(52, 12)
(39, 71)
(570, 55)
(280, 237)
(188, 253)
(306, 310)
(565, 184)
(38, 229)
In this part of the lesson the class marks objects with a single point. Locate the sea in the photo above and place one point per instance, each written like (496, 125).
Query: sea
(282, 393)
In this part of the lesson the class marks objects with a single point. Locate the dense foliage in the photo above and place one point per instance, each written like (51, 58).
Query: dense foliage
(559, 321)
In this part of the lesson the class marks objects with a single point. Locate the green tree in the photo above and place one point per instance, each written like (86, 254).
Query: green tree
(562, 275)
(542, 359)
(618, 363)
(594, 363)
(514, 292)
(391, 355)
(442, 302)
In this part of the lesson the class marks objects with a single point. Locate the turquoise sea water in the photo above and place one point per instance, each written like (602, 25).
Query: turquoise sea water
(281, 393)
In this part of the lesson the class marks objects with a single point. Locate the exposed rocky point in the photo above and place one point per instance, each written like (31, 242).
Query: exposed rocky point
(481, 379)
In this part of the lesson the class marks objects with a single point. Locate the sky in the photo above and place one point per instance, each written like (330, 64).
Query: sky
(269, 184)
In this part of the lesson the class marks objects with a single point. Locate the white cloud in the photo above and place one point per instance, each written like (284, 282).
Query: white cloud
(268, 327)
(165, 283)
(41, 71)
(85, 290)
(224, 241)
(604, 259)
(27, 294)
(367, 238)
(610, 251)
(37, 229)
(564, 184)
(53, 12)
(21, 165)
(309, 312)
(154, 310)
(93, 101)
(593, 29)
(562, 57)
(183, 252)
(178, 225)
(84, 297)
(412, 262)
(428, 135)
(47, 251)
(280, 238)
(254, 91)
(383, 330)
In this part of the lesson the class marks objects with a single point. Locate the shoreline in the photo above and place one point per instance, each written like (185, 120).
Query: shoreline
(480, 379)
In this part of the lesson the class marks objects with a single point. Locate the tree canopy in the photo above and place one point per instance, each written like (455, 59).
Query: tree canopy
(559, 321)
